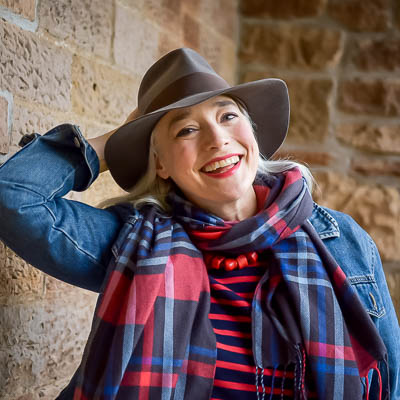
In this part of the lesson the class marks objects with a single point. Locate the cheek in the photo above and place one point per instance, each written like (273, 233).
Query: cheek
(180, 159)
(245, 135)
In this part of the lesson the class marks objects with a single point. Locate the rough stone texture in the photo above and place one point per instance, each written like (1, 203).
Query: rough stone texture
(103, 188)
(187, 23)
(17, 278)
(375, 208)
(170, 42)
(165, 13)
(4, 136)
(34, 69)
(25, 8)
(27, 120)
(101, 92)
(378, 138)
(220, 53)
(42, 343)
(290, 46)
(191, 32)
(316, 158)
(88, 23)
(208, 12)
(133, 34)
(112, 44)
(309, 106)
(369, 167)
(286, 9)
(309, 116)
(376, 54)
(370, 96)
(361, 16)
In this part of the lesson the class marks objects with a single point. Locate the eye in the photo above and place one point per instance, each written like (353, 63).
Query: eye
(185, 132)
(228, 116)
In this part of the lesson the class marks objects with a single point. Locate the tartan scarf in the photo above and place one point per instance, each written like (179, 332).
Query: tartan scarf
(151, 337)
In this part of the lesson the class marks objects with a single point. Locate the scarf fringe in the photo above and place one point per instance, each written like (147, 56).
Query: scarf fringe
(300, 373)
(380, 383)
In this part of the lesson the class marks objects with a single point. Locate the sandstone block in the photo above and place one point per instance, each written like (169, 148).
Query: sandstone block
(287, 9)
(168, 43)
(372, 96)
(221, 16)
(33, 69)
(167, 14)
(375, 208)
(102, 93)
(135, 42)
(27, 120)
(42, 342)
(376, 54)
(4, 136)
(220, 53)
(309, 108)
(218, 15)
(104, 188)
(317, 158)
(88, 23)
(375, 138)
(191, 32)
(361, 16)
(18, 280)
(371, 167)
(290, 46)
(25, 8)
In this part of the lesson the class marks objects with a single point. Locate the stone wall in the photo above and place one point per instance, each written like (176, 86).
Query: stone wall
(79, 61)
(341, 60)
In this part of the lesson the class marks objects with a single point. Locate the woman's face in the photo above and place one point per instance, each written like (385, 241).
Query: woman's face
(210, 152)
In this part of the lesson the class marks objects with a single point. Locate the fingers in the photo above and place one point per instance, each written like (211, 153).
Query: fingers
(133, 115)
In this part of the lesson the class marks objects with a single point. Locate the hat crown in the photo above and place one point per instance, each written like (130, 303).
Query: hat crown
(179, 74)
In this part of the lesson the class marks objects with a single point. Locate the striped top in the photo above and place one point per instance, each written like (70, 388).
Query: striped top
(230, 315)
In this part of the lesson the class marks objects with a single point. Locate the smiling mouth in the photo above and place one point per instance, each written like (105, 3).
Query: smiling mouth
(221, 165)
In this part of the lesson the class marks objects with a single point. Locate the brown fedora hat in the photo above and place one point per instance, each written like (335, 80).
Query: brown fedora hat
(183, 78)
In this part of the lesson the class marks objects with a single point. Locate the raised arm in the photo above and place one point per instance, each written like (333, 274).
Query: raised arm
(99, 142)
(66, 239)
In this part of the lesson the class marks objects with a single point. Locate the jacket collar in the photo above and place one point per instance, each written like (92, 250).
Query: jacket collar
(324, 223)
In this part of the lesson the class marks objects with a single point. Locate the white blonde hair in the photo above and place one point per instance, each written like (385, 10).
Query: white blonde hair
(151, 189)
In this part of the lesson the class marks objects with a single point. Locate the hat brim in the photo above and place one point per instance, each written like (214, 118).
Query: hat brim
(267, 102)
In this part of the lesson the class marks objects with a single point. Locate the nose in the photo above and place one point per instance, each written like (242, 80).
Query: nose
(215, 136)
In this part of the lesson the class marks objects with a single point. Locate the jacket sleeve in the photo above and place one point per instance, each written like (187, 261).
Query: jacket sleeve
(64, 238)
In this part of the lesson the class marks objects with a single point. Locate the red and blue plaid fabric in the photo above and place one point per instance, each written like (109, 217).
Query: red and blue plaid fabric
(151, 337)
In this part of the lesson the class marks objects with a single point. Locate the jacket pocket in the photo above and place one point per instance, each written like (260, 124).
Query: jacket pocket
(369, 295)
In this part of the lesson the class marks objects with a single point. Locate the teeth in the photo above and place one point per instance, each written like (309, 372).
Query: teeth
(222, 163)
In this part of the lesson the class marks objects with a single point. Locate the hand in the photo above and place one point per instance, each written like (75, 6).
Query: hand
(133, 115)
(99, 142)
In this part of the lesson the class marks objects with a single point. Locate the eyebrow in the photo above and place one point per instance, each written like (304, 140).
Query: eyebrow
(186, 113)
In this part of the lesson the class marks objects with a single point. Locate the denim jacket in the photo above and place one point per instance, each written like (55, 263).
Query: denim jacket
(74, 242)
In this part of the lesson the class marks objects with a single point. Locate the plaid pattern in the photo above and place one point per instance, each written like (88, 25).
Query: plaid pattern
(151, 337)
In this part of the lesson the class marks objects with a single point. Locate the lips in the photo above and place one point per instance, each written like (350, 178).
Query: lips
(221, 163)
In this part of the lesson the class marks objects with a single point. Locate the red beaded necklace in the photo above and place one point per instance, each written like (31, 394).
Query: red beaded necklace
(229, 264)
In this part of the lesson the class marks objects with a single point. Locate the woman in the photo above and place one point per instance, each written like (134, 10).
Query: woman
(213, 276)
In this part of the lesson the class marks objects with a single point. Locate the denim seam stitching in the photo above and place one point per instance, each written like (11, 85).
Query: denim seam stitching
(75, 244)
(331, 219)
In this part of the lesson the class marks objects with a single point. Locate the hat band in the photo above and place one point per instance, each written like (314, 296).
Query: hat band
(189, 85)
